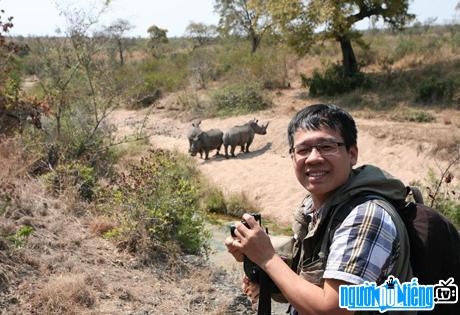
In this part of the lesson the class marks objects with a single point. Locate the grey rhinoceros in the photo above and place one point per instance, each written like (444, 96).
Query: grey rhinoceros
(192, 132)
(205, 141)
(242, 136)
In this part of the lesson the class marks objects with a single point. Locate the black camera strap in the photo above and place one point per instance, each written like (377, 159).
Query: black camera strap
(265, 300)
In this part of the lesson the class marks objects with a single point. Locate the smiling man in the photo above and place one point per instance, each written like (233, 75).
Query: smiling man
(338, 239)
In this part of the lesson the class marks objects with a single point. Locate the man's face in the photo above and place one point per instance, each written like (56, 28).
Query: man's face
(321, 174)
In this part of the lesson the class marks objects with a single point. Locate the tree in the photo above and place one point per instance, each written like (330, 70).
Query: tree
(116, 30)
(305, 21)
(8, 66)
(56, 66)
(244, 18)
(15, 110)
(200, 33)
(157, 38)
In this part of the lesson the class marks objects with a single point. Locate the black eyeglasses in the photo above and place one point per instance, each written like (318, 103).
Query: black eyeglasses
(324, 148)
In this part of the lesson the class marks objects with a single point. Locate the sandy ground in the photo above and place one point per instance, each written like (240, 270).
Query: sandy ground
(266, 175)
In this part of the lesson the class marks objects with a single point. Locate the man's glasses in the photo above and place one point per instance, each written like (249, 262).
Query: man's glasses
(326, 148)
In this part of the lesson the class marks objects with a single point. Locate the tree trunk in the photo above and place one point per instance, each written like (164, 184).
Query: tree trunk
(349, 59)
(120, 52)
(255, 41)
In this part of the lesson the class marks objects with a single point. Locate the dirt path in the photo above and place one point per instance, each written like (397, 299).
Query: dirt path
(266, 174)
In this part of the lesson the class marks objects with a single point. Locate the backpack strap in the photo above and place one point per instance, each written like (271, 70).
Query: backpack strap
(402, 268)
(415, 193)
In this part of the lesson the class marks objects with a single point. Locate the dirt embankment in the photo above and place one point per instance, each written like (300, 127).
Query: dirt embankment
(406, 150)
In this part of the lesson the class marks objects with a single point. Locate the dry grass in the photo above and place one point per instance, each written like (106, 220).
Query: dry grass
(101, 225)
(65, 294)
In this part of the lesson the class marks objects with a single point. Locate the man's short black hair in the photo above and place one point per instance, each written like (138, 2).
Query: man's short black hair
(314, 117)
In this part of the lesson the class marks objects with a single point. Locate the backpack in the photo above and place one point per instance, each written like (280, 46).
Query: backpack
(434, 241)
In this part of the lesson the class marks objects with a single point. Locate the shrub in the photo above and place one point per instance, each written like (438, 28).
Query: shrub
(434, 89)
(268, 65)
(333, 81)
(419, 116)
(213, 201)
(20, 236)
(443, 196)
(238, 204)
(159, 198)
(65, 294)
(405, 47)
(239, 99)
(72, 175)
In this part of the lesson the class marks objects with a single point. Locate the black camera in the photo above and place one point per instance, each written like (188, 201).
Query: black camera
(252, 271)
(256, 216)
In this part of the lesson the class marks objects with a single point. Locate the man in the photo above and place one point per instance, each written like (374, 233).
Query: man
(366, 243)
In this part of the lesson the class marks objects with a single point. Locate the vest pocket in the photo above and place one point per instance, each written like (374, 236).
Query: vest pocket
(313, 271)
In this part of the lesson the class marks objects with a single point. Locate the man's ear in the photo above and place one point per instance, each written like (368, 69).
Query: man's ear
(292, 155)
(353, 154)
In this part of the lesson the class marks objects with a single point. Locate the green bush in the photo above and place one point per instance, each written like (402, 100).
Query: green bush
(159, 196)
(238, 204)
(434, 89)
(333, 81)
(153, 76)
(419, 116)
(21, 235)
(234, 63)
(445, 200)
(213, 201)
(239, 99)
(71, 175)
(405, 47)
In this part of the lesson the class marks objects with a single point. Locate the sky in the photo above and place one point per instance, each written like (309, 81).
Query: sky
(41, 17)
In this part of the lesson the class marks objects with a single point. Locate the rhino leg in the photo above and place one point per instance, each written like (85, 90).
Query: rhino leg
(232, 150)
(226, 151)
(218, 149)
(247, 146)
(206, 153)
(242, 147)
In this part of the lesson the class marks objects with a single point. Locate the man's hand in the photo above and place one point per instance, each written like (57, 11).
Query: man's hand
(232, 249)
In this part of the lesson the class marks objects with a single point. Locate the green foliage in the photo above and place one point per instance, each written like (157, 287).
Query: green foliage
(70, 175)
(405, 47)
(419, 116)
(445, 199)
(436, 89)
(267, 66)
(19, 238)
(300, 20)
(244, 18)
(154, 76)
(213, 201)
(238, 204)
(239, 99)
(159, 196)
(333, 81)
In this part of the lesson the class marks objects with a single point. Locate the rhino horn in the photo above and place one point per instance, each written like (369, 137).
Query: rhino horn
(266, 125)
(196, 124)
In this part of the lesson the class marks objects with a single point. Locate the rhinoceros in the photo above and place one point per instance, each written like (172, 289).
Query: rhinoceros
(206, 141)
(242, 136)
(192, 132)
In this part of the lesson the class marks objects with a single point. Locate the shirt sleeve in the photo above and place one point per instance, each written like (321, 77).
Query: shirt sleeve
(364, 247)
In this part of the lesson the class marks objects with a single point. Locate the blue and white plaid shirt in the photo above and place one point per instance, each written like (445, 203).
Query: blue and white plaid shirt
(364, 247)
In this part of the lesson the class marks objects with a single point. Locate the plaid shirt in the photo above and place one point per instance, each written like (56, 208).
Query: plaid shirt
(364, 247)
